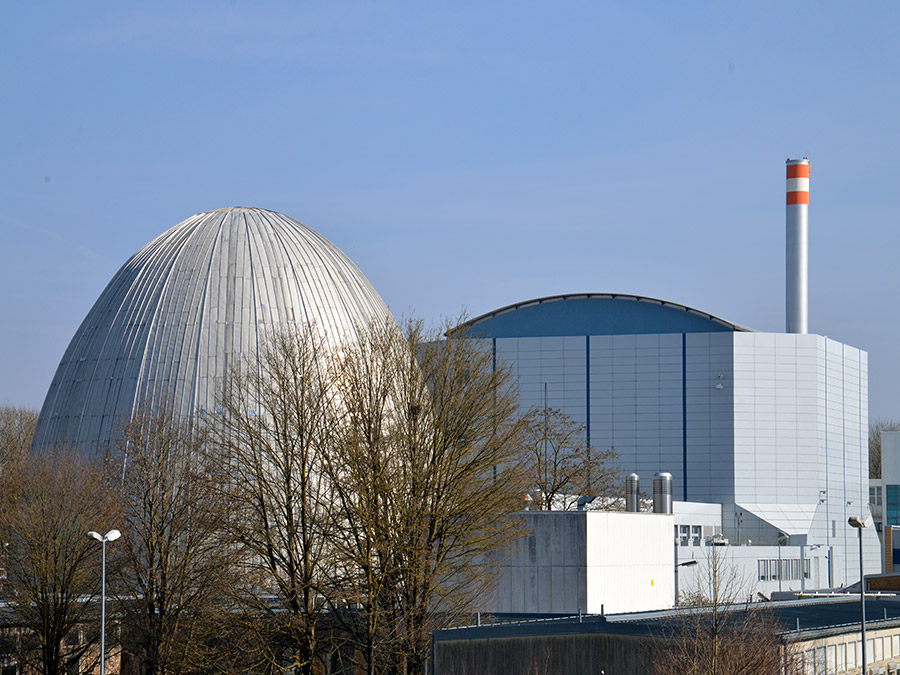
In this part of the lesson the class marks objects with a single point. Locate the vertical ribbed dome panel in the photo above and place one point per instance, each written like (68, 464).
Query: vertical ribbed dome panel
(189, 304)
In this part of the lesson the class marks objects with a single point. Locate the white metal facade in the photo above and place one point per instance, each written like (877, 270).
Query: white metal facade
(189, 305)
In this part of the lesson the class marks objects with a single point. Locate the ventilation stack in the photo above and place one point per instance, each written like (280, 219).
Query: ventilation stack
(632, 493)
(797, 225)
(662, 493)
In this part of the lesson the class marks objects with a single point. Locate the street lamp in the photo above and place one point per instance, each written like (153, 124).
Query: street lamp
(780, 564)
(112, 535)
(686, 563)
(859, 524)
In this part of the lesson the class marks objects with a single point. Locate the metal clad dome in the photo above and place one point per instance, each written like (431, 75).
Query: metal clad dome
(188, 305)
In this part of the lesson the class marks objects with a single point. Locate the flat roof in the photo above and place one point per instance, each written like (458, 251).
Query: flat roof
(803, 618)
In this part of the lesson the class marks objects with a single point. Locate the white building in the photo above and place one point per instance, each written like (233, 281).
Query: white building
(587, 561)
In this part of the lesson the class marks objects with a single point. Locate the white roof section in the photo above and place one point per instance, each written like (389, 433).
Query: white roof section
(792, 519)
(192, 302)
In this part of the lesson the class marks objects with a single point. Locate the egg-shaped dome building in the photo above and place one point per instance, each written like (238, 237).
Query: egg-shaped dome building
(186, 307)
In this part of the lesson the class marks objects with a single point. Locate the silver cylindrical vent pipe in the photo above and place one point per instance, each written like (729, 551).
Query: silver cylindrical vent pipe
(797, 240)
(662, 493)
(632, 490)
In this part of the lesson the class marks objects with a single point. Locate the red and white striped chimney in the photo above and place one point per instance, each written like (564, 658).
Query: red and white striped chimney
(797, 225)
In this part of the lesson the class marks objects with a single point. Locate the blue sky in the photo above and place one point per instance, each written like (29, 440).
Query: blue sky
(465, 155)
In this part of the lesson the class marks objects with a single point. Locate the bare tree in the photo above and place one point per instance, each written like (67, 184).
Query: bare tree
(876, 426)
(426, 476)
(278, 424)
(174, 565)
(16, 429)
(363, 469)
(721, 632)
(560, 465)
(47, 505)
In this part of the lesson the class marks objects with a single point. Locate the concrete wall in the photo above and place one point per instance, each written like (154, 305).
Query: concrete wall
(546, 571)
(842, 653)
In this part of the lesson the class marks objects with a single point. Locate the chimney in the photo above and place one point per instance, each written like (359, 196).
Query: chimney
(797, 225)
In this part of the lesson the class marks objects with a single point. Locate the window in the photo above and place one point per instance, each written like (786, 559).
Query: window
(806, 569)
(763, 570)
(820, 660)
(696, 534)
(892, 505)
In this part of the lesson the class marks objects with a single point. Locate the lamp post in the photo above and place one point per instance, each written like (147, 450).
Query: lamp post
(780, 563)
(112, 535)
(686, 563)
(859, 525)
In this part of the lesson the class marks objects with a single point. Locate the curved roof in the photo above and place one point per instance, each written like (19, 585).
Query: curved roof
(188, 305)
(595, 314)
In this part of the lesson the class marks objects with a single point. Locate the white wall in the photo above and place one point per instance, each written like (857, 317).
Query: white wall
(740, 569)
(629, 562)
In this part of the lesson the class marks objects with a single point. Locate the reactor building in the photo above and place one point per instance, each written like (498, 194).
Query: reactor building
(188, 306)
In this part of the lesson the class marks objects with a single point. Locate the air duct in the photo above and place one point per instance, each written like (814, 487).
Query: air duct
(797, 225)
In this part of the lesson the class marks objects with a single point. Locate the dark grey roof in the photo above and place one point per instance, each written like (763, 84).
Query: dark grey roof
(595, 314)
(817, 616)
